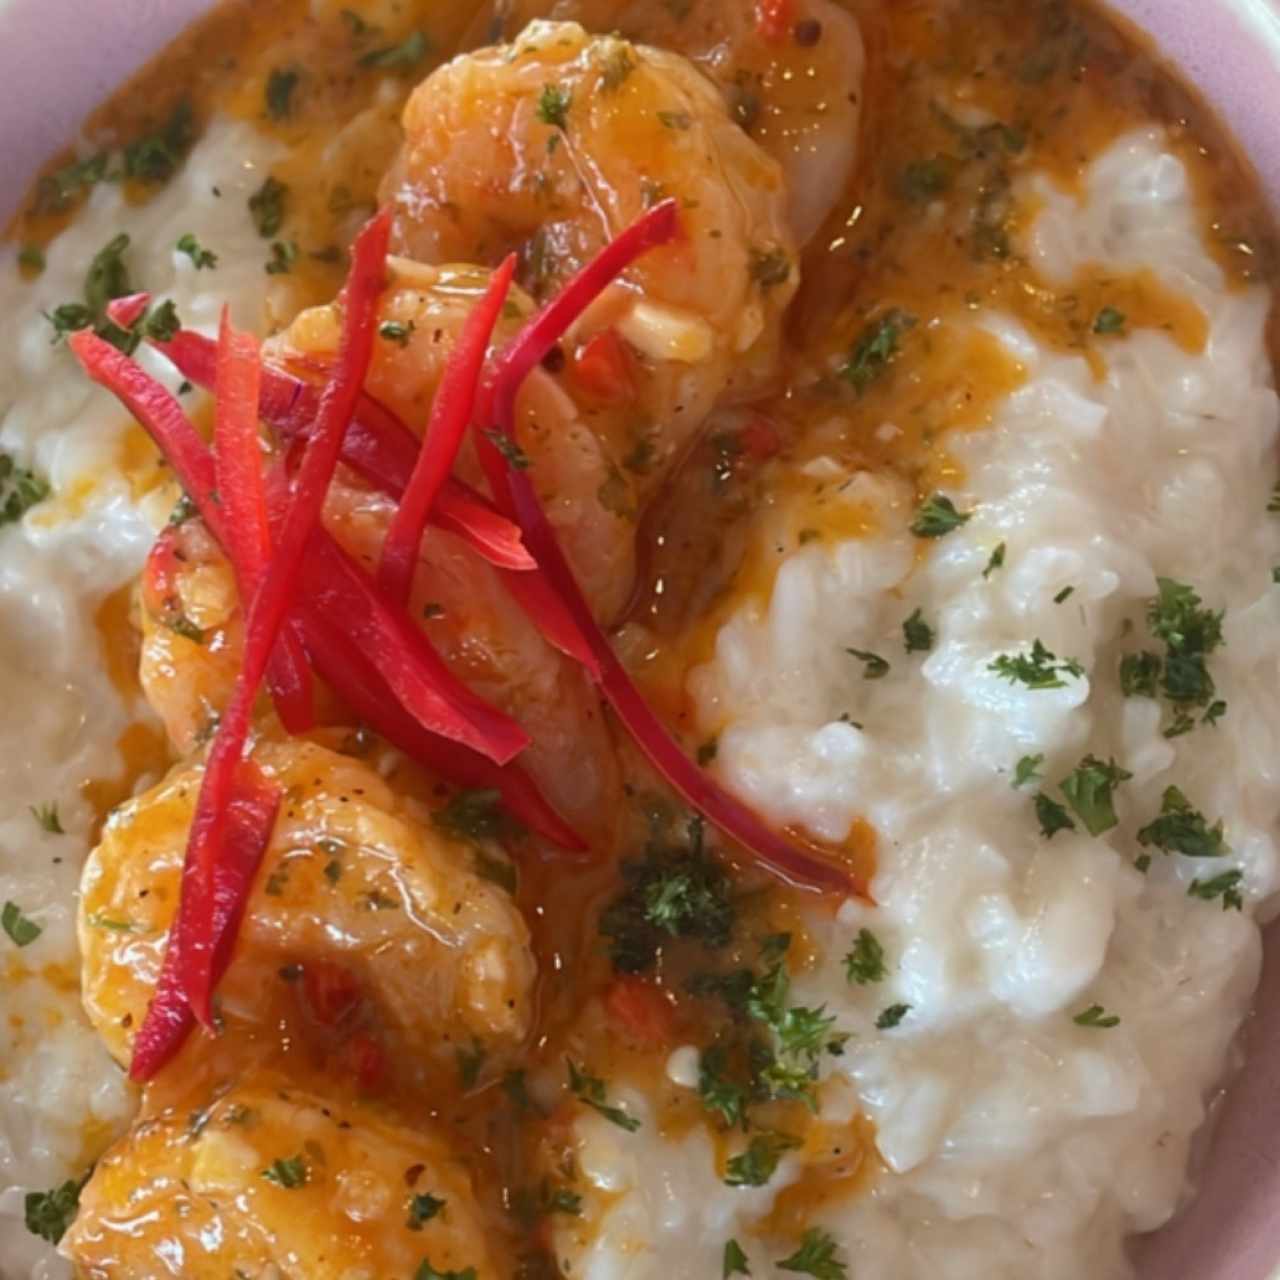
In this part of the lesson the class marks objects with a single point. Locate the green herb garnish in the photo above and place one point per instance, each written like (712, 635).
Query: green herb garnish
(203, 258)
(1089, 790)
(591, 1090)
(1039, 669)
(937, 517)
(758, 1163)
(22, 930)
(1182, 829)
(865, 962)
(876, 349)
(875, 667)
(816, 1257)
(553, 106)
(1096, 1016)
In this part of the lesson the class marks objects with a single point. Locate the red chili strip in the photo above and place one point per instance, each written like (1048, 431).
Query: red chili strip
(334, 585)
(377, 445)
(451, 412)
(357, 681)
(774, 18)
(515, 492)
(268, 608)
(250, 818)
(238, 469)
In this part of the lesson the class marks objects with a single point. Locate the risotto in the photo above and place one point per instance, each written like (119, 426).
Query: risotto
(637, 642)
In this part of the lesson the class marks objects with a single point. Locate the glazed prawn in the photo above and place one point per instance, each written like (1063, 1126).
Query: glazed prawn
(554, 143)
(267, 1179)
(368, 926)
(793, 79)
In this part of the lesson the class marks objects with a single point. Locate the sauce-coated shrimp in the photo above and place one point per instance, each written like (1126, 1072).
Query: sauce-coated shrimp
(267, 1180)
(365, 912)
(555, 143)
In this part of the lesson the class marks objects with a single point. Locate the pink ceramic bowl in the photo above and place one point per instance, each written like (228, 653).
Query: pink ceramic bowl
(60, 58)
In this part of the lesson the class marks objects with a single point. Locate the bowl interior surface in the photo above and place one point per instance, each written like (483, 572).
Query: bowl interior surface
(60, 58)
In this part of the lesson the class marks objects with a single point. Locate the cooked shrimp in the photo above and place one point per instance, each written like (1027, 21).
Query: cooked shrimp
(551, 146)
(375, 916)
(268, 1180)
(797, 92)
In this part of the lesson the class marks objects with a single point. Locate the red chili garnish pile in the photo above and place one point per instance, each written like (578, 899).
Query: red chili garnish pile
(309, 606)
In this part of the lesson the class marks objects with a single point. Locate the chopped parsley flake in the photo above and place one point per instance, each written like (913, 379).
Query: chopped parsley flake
(917, 634)
(398, 57)
(290, 1174)
(31, 258)
(553, 106)
(591, 1090)
(55, 191)
(1027, 770)
(203, 259)
(267, 207)
(892, 1016)
(162, 322)
(618, 65)
(875, 666)
(1096, 1016)
(284, 253)
(279, 92)
(1089, 790)
(155, 157)
(422, 1208)
(1039, 669)
(876, 349)
(996, 561)
(394, 331)
(20, 490)
(735, 1261)
(1053, 817)
(47, 816)
(1063, 595)
(1225, 886)
(865, 962)
(816, 1257)
(1109, 321)
(426, 1271)
(769, 267)
(1182, 829)
(758, 1163)
(475, 813)
(22, 931)
(719, 1093)
(510, 450)
(1140, 674)
(672, 892)
(48, 1214)
(937, 517)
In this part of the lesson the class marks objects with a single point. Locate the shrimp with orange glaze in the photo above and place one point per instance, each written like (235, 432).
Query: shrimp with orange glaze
(369, 929)
(553, 144)
(266, 1179)
(792, 77)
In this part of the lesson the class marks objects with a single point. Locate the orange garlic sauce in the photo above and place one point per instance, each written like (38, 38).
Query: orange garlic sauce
(930, 230)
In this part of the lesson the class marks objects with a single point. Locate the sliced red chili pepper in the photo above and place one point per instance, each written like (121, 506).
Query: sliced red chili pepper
(331, 990)
(268, 608)
(193, 465)
(377, 445)
(515, 494)
(774, 18)
(602, 367)
(357, 681)
(238, 469)
(451, 412)
(425, 687)
(642, 1011)
(249, 819)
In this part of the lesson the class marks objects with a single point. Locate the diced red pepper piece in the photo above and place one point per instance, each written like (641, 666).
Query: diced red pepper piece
(331, 991)
(377, 445)
(602, 367)
(774, 18)
(127, 311)
(642, 1011)
(760, 439)
(451, 413)
(516, 495)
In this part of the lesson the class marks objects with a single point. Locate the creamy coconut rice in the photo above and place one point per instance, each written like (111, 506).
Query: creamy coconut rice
(923, 484)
